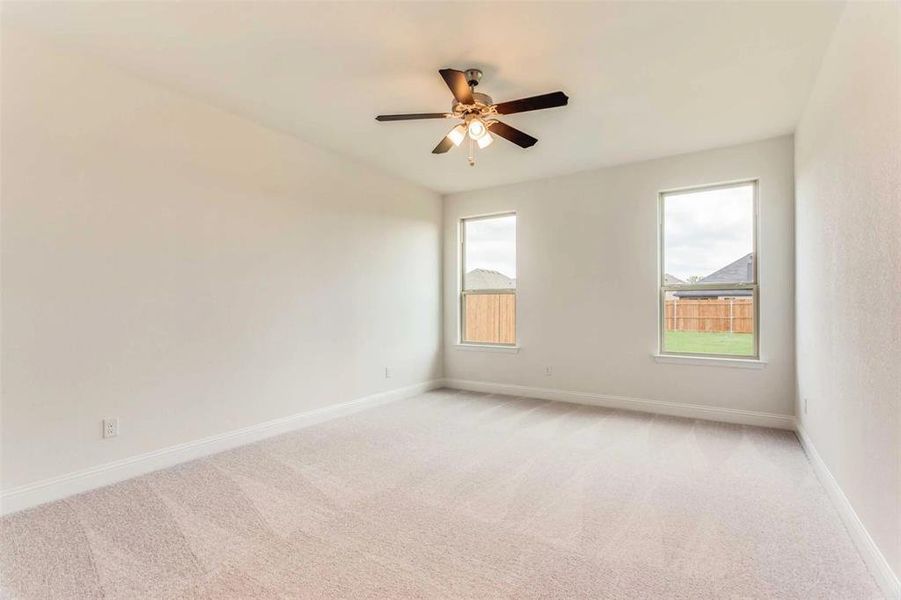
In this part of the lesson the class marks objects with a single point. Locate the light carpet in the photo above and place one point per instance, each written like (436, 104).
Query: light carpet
(455, 495)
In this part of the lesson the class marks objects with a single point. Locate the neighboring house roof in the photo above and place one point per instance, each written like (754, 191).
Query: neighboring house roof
(485, 279)
(671, 279)
(739, 271)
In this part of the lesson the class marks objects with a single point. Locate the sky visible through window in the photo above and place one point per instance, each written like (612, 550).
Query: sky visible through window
(706, 230)
(491, 244)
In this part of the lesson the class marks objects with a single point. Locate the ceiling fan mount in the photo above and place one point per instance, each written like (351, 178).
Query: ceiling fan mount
(473, 76)
(477, 111)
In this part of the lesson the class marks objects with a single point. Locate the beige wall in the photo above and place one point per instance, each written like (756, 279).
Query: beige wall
(189, 271)
(587, 282)
(848, 221)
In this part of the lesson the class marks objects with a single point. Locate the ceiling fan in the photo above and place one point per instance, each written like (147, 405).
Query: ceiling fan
(477, 112)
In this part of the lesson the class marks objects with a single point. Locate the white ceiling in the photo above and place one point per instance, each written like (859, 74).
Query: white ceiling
(644, 79)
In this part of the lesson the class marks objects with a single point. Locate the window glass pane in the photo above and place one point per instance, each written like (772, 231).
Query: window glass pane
(489, 318)
(708, 235)
(489, 253)
(720, 322)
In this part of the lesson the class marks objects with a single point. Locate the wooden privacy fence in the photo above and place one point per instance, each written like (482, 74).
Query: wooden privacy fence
(732, 315)
(490, 318)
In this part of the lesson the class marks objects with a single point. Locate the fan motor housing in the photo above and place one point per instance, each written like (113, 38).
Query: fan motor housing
(482, 102)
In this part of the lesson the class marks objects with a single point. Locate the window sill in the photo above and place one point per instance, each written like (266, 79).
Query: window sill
(487, 348)
(711, 361)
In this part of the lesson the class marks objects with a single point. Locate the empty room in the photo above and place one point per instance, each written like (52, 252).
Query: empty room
(390, 300)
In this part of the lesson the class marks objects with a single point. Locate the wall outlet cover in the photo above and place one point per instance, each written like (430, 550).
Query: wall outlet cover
(110, 427)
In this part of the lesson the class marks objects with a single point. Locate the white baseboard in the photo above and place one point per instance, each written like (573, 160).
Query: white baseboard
(879, 566)
(54, 488)
(676, 409)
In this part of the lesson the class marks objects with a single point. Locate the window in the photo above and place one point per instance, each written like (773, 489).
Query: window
(708, 271)
(488, 280)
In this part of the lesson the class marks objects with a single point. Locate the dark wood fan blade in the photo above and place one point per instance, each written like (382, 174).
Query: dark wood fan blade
(533, 103)
(410, 117)
(521, 139)
(443, 146)
(459, 87)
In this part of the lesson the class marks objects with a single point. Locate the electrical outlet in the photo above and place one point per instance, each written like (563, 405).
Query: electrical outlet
(387, 373)
(548, 372)
(110, 427)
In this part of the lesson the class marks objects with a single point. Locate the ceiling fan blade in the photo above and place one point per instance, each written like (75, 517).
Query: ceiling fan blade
(443, 146)
(532, 103)
(459, 87)
(412, 116)
(521, 139)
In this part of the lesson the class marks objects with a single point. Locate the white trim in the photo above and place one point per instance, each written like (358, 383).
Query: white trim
(677, 409)
(487, 348)
(879, 566)
(54, 488)
(710, 361)
(461, 275)
(754, 286)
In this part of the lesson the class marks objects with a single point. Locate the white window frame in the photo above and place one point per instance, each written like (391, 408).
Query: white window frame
(461, 304)
(663, 287)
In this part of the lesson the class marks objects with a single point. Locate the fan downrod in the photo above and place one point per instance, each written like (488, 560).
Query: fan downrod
(473, 76)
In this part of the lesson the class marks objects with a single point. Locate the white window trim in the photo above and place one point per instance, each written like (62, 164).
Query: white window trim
(462, 292)
(662, 356)
(502, 348)
(710, 361)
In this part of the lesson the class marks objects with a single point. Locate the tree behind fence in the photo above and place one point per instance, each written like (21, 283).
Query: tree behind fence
(732, 315)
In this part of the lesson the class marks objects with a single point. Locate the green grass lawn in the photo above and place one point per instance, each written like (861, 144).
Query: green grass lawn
(740, 344)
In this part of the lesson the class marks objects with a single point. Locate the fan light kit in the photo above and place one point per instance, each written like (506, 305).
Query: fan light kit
(477, 112)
